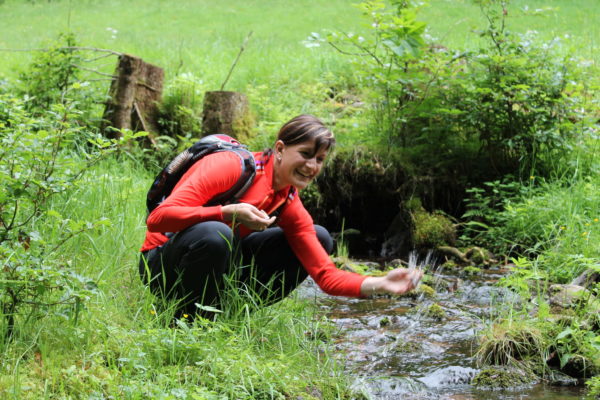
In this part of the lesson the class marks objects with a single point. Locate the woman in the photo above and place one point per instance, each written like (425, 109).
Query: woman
(191, 264)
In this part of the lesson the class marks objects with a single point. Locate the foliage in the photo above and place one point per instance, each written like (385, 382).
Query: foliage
(40, 158)
(578, 350)
(510, 106)
(383, 61)
(553, 222)
(593, 388)
(510, 341)
(429, 230)
(53, 74)
(181, 108)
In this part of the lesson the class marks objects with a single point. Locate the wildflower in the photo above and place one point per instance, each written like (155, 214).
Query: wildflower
(152, 312)
(562, 228)
(595, 219)
(185, 315)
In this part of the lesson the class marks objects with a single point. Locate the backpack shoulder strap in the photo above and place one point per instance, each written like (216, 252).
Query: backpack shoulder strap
(248, 167)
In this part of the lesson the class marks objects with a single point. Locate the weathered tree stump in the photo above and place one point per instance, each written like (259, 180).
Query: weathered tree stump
(134, 95)
(227, 112)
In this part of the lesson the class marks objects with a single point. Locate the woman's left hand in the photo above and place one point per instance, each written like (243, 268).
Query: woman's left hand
(397, 281)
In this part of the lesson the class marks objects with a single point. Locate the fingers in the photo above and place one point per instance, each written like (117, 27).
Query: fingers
(402, 280)
(252, 217)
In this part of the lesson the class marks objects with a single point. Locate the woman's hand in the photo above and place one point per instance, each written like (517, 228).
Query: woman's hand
(247, 215)
(397, 281)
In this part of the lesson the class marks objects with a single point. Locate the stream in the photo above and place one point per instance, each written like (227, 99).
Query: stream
(394, 350)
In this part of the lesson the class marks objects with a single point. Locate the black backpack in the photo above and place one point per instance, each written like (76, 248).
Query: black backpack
(166, 180)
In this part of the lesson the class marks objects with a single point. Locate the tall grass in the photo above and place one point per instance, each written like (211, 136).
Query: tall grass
(127, 345)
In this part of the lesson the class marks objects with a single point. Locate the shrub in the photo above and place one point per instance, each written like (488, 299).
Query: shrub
(53, 74)
(504, 106)
(39, 158)
(181, 108)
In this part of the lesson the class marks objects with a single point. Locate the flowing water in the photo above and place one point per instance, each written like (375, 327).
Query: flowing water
(396, 351)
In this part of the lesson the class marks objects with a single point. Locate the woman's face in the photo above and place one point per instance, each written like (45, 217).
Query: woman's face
(298, 164)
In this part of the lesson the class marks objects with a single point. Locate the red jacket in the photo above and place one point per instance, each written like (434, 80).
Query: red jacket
(218, 172)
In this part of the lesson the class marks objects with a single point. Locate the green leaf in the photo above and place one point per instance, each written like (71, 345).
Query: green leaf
(207, 308)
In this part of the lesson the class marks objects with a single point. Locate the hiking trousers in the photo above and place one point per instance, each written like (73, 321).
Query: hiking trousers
(202, 262)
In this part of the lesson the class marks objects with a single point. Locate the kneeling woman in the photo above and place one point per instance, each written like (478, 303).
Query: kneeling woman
(214, 241)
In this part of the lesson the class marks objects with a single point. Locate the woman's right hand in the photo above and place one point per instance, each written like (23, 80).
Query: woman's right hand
(247, 215)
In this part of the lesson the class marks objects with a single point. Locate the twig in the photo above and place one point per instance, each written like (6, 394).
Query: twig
(144, 84)
(347, 53)
(236, 60)
(94, 71)
(99, 57)
(70, 48)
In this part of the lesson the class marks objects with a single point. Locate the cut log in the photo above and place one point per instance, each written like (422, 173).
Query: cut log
(227, 112)
(134, 96)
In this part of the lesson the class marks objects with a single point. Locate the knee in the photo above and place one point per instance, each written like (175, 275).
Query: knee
(213, 236)
(325, 238)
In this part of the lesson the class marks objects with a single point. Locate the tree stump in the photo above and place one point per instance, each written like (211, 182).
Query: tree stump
(228, 113)
(134, 95)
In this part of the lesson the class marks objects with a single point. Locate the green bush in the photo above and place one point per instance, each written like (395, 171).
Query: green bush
(40, 158)
(180, 112)
(509, 106)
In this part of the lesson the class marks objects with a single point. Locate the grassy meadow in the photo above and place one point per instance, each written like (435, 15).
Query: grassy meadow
(124, 343)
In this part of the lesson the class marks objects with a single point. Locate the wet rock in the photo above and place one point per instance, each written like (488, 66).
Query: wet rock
(449, 376)
(571, 296)
(397, 263)
(587, 278)
(391, 388)
(471, 271)
(490, 295)
(372, 265)
(503, 378)
(480, 256)
(557, 378)
(435, 311)
(577, 365)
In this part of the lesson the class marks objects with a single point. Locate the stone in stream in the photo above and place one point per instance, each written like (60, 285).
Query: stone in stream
(449, 376)
(570, 296)
(491, 295)
(503, 377)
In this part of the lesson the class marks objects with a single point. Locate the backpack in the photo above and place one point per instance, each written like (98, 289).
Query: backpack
(166, 180)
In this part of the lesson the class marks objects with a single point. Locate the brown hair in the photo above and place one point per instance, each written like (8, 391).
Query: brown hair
(304, 128)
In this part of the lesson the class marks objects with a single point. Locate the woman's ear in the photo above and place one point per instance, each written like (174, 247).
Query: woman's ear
(279, 147)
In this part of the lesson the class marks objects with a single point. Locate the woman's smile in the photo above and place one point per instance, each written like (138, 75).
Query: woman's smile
(297, 165)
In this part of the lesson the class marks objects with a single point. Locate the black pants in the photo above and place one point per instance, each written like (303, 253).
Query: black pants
(191, 266)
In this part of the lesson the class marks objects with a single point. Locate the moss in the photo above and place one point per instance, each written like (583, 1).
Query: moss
(593, 386)
(502, 378)
(243, 126)
(425, 290)
(471, 271)
(435, 311)
(385, 321)
(429, 230)
(450, 264)
(402, 346)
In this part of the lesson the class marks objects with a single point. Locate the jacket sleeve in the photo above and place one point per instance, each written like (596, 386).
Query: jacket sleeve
(212, 175)
(298, 227)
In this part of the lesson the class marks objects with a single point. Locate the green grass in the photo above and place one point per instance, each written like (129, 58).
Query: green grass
(126, 344)
(202, 37)
(452, 21)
